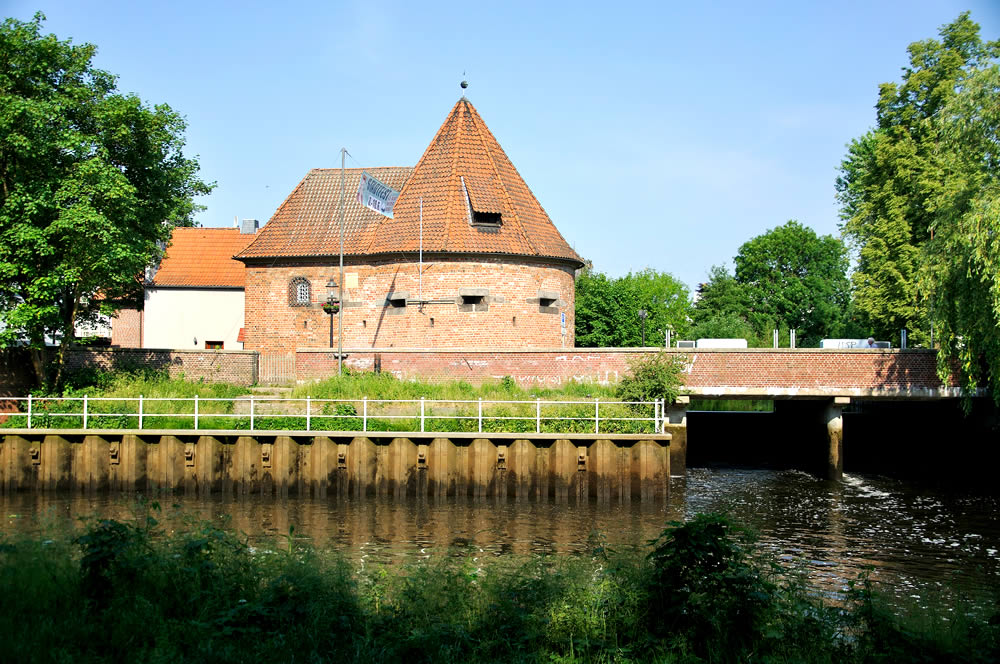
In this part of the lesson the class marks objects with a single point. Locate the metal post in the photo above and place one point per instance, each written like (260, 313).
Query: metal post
(196, 412)
(251, 412)
(421, 414)
(29, 411)
(597, 415)
(791, 338)
(140, 411)
(84, 411)
(420, 273)
(902, 338)
(538, 415)
(364, 414)
(775, 338)
(308, 412)
(340, 311)
(480, 414)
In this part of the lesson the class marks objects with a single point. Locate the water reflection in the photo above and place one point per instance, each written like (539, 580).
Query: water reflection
(920, 543)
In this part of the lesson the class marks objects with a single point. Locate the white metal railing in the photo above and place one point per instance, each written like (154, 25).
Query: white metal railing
(281, 414)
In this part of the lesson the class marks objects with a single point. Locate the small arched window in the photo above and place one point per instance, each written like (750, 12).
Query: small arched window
(299, 292)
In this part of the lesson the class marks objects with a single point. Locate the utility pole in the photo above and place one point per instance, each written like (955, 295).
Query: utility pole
(340, 288)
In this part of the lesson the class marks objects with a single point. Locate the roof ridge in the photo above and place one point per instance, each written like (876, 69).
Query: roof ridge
(480, 126)
(453, 178)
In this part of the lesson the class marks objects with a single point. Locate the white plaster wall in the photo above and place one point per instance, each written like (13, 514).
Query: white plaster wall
(175, 317)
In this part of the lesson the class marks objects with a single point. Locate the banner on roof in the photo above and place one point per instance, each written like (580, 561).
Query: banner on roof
(376, 195)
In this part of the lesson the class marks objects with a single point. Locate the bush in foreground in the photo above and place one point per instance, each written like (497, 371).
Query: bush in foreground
(124, 592)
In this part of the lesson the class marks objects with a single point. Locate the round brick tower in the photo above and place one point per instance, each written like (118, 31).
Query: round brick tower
(495, 272)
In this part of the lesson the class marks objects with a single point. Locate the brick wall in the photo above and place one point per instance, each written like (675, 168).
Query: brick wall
(778, 372)
(126, 328)
(214, 366)
(17, 378)
(514, 317)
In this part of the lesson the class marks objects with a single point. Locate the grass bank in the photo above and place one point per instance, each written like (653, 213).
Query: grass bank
(124, 592)
(337, 404)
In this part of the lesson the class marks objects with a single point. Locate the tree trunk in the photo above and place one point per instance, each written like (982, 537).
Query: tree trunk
(38, 363)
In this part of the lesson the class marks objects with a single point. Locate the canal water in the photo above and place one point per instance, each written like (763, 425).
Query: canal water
(921, 545)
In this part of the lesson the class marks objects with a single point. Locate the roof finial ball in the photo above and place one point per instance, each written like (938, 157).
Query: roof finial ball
(464, 84)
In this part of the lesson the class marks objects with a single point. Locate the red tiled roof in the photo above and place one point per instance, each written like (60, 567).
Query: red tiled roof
(463, 171)
(203, 257)
(308, 222)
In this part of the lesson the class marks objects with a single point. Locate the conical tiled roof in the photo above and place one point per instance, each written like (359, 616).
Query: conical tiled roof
(463, 177)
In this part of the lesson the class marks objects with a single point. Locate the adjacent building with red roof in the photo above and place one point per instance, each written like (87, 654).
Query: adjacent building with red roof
(495, 271)
(195, 298)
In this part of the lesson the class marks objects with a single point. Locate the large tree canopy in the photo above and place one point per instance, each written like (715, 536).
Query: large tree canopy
(961, 259)
(786, 278)
(607, 310)
(890, 178)
(91, 181)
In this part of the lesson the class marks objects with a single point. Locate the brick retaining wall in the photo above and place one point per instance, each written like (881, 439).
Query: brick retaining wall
(213, 366)
(721, 372)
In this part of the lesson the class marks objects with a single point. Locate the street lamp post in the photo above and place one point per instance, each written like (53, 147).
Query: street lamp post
(332, 304)
(643, 315)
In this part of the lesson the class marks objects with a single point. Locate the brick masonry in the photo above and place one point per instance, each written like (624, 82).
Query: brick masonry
(126, 328)
(512, 318)
(714, 372)
(213, 366)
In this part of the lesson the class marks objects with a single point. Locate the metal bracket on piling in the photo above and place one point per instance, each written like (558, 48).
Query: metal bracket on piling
(581, 459)
(501, 457)
(114, 452)
(421, 457)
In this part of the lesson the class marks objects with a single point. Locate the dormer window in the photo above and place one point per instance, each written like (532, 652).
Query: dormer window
(482, 205)
(299, 292)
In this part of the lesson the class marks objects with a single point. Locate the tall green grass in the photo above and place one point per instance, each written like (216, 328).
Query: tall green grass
(131, 591)
(338, 406)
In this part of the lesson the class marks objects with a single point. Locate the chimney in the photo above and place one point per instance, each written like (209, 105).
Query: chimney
(249, 226)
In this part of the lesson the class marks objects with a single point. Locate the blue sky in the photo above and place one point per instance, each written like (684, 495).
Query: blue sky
(658, 134)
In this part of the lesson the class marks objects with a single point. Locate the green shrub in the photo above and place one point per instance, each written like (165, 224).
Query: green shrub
(652, 377)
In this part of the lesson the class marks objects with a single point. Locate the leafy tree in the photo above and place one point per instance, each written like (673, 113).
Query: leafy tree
(793, 278)
(607, 310)
(887, 184)
(961, 270)
(786, 278)
(91, 181)
(721, 309)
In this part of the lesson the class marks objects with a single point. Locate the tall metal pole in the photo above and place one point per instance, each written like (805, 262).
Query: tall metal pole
(340, 293)
(420, 277)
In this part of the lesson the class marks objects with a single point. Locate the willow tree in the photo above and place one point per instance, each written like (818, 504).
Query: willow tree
(961, 271)
(91, 183)
(886, 186)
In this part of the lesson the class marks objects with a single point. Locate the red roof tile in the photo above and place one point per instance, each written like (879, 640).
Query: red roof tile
(203, 257)
(463, 171)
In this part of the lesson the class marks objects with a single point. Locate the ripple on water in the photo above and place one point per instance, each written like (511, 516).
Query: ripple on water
(915, 541)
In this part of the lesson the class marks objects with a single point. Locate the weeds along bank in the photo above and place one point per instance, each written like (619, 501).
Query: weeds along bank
(701, 593)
